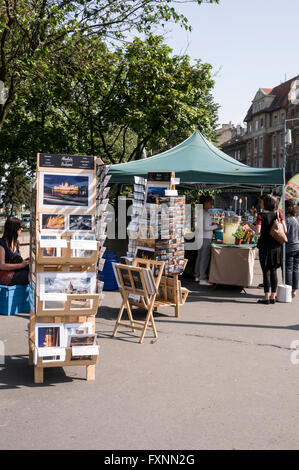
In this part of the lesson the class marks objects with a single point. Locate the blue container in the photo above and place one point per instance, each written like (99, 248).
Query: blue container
(219, 234)
(107, 274)
(14, 299)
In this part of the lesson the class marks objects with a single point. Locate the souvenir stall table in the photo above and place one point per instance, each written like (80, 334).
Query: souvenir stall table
(232, 264)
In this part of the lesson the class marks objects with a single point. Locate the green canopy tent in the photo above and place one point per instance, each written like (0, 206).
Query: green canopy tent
(198, 162)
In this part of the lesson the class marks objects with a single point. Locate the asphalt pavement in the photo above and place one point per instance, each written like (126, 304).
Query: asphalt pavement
(218, 377)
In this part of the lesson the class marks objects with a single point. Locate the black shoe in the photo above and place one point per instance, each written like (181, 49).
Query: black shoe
(261, 285)
(265, 302)
(272, 301)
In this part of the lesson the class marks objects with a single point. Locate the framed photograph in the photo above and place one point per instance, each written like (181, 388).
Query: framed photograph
(65, 189)
(53, 288)
(80, 222)
(137, 282)
(49, 335)
(49, 222)
(153, 190)
(144, 252)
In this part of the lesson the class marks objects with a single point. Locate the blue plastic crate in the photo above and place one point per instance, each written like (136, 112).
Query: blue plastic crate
(107, 274)
(14, 299)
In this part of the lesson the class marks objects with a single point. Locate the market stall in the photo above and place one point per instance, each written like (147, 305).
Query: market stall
(200, 165)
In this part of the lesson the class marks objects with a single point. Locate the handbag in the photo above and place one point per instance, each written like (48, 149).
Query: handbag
(6, 277)
(277, 230)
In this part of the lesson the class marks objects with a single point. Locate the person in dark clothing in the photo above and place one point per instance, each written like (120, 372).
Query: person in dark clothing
(270, 252)
(292, 247)
(13, 269)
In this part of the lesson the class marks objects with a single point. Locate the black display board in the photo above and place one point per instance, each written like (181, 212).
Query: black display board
(51, 160)
(159, 176)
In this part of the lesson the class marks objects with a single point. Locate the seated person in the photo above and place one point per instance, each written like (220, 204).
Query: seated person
(13, 269)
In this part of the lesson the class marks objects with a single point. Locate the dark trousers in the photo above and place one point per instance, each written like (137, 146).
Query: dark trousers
(292, 269)
(20, 277)
(270, 280)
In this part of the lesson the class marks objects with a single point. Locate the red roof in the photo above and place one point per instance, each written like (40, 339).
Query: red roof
(280, 92)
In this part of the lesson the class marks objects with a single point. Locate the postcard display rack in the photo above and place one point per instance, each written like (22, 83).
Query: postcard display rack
(67, 234)
(158, 216)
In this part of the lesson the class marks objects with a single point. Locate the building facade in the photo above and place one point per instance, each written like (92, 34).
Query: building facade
(263, 143)
(265, 136)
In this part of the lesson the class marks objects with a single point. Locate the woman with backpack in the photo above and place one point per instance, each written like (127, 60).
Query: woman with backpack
(270, 252)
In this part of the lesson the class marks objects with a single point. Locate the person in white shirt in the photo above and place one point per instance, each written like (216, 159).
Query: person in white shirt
(204, 253)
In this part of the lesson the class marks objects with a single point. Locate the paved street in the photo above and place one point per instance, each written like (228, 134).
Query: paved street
(219, 377)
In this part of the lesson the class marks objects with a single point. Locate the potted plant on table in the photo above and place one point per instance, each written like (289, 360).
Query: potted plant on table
(239, 234)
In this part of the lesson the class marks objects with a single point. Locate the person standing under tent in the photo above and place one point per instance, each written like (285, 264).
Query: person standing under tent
(270, 252)
(204, 253)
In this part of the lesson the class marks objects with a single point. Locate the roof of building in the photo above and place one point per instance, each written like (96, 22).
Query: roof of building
(280, 92)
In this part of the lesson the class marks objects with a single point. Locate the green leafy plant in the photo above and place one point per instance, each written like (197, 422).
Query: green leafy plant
(239, 234)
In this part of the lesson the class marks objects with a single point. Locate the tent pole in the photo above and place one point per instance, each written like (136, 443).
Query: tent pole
(284, 245)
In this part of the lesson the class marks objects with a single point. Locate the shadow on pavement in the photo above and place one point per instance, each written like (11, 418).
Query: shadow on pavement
(17, 373)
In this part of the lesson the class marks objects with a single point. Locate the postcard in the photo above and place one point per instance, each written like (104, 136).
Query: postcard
(65, 189)
(84, 352)
(154, 190)
(81, 241)
(80, 222)
(50, 250)
(49, 335)
(81, 340)
(52, 222)
(78, 328)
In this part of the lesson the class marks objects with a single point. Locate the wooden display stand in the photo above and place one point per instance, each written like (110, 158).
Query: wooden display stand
(74, 309)
(169, 247)
(168, 294)
(126, 276)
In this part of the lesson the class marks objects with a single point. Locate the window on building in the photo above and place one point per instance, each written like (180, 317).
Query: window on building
(275, 120)
(262, 123)
(274, 161)
(249, 149)
(261, 144)
(281, 160)
(282, 117)
(261, 161)
(281, 140)
(255, 161)
(256, 124)
(255, 145)
(274, 142)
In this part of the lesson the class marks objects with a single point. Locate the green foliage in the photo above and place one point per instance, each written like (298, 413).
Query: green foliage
(15, 188)
(68, 92)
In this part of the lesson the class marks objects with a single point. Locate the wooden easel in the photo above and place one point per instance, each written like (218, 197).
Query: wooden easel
(167, 286)
(126, 276)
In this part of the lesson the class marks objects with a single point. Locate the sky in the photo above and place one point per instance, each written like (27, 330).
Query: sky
(251, 44)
